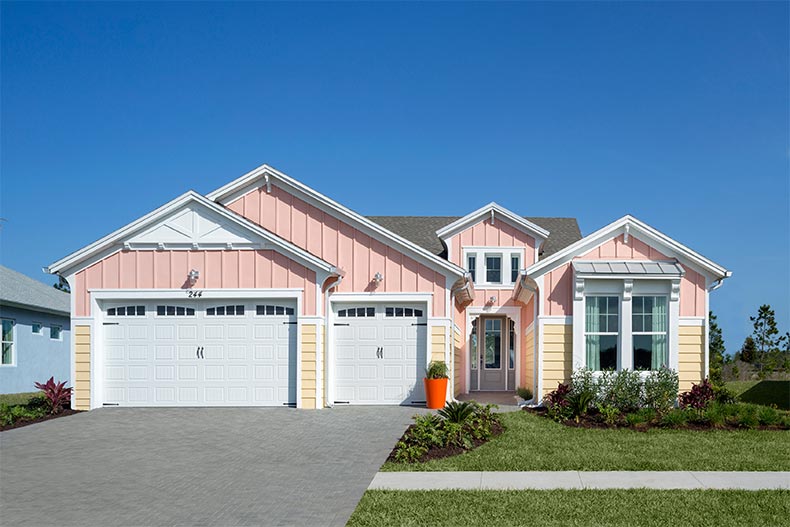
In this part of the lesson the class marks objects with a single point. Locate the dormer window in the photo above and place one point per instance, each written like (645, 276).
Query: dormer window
(494, 266)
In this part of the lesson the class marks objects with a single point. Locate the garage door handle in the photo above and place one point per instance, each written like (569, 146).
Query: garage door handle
(201, 352)
(197, 352)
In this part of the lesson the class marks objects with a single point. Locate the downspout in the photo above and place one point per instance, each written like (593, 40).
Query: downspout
(718, 283)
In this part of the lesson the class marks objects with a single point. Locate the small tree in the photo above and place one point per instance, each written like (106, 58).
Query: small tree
(766, 337)
(716, 350)
(748, 351)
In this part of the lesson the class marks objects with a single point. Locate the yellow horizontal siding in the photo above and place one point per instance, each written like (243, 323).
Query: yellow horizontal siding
(691, 356)
(82, 359)
(309, 338)
(438, 342)
(457, 356)
(557, 355)
(529, 361)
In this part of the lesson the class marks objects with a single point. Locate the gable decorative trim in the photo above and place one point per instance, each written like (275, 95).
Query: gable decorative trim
(492, 210)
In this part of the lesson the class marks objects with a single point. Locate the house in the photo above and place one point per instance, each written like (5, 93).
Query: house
(36, 326)
(267, 292)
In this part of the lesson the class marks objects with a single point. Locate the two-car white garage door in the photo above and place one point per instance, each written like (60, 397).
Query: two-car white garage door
(199, 353)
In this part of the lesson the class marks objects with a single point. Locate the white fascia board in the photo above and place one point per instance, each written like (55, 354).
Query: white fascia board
(448, 231)
(638, 229)
(100, 246)
(238, 187)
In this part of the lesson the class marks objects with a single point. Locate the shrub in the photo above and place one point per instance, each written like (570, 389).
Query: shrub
(661, 390)
(610, 414)
(475, 422)
(525, 393)
(621, 389)
(457, 412)
(716, 415)
(768, 416)
(11, 414)
(747, 417)
(557, 402)
(699, 397)
(583, 380)
(579, 403)
(675, 418)
(56, 393)
(723, 395)
(644, 415)
(437, 370)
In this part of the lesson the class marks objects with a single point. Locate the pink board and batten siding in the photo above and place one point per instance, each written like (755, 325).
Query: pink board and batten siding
(218, 269)
(351, 250)
(500, 234)
(559, 282)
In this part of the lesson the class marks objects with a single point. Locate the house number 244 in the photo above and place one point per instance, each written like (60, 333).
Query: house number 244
(194, 294)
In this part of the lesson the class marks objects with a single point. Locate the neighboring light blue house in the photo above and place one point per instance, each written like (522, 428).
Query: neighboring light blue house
(36, 333)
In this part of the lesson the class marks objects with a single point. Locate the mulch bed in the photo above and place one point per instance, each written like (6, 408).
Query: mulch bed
(594, 420)
(439, 453)
(24, 422)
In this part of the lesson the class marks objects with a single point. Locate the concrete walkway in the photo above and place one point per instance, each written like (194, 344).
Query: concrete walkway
(579, 480)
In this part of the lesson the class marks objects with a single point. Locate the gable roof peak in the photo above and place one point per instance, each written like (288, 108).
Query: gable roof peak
(539, 233)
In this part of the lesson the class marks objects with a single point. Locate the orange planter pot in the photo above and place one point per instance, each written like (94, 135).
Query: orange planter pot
(435, 393)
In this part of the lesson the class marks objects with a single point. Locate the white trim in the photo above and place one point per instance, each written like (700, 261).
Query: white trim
(505, 254)
(41, 328)
(60, 332)
(14, 343)
(114, 241)
(492, 209)
(691, 321)
(155, 294)
(707, 332)
(556, 319)
(254, 179)
(639, 229)
(513, 313)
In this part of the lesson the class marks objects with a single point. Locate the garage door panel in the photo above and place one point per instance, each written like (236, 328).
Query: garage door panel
(379, 359)
(196, 359)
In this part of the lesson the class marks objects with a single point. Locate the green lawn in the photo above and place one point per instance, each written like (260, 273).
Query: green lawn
(762, 392)
(537, 443)
(626, 508)
(13, 399)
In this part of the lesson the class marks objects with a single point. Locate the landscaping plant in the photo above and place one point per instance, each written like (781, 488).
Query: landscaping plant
(661, 390)
(699, 397)
(57, 394)
(457, 411)
(525, 393)
(557, 404)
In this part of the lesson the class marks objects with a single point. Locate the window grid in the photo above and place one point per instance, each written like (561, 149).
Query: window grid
(515, 264)
(7, 356)
(357, 312)
(402, 312)
(225, 311)
(126, 311)
(175, 311)
(607, 321)
(494, 268)
(272, 309)
(471, 266)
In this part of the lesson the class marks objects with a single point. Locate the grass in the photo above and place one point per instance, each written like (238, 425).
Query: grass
(537, 443)
(626, 508)
(762, 392)
(13, 399)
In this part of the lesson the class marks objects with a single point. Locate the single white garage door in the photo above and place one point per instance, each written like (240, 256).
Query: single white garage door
(380, 353)
(199, 353)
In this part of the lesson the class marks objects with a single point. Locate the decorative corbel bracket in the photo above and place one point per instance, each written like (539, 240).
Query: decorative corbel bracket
(628, 288)
(674, 294)
(626, 233)
(578, 289)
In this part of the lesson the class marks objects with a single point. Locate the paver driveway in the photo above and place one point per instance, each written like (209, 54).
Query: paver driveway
(195, 466)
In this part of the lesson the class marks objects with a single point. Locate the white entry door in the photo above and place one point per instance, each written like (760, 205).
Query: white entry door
(380, 353)
(199, 353)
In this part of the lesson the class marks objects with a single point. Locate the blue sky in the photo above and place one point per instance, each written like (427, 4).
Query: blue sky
(676, 113)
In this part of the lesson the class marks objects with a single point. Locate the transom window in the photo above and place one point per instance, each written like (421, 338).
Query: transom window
(7, 358)
(494, 268)
(55, 332)
(601, 332)
(357, 312)
(37, 328)
(225, 311)
(126, 311)
(402, 312)
(273, 309)
(649, 332)
(175, 311)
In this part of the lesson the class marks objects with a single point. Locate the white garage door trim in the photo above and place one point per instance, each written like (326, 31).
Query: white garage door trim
(338, 300)
(98, 297)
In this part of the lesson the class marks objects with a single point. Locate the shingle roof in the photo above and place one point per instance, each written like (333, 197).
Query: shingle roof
(22, 291)
(422, 230)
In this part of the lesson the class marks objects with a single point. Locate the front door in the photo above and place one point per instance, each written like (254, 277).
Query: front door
(493, 362)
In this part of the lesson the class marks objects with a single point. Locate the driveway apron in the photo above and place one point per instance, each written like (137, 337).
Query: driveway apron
(195, 466)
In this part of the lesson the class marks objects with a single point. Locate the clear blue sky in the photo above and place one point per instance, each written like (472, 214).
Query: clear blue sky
(676, 113)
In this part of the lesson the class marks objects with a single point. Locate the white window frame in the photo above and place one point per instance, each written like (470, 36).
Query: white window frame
(649, 333)
(626, 289)
(618, 333)
(60, 332)
(13, 342)
(40, 331)
(473, 267)
(514, 270)
(501, 268)
(505, 254)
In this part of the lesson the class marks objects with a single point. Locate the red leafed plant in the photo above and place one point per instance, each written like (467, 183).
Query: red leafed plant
(56, 393)
(699, 397)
